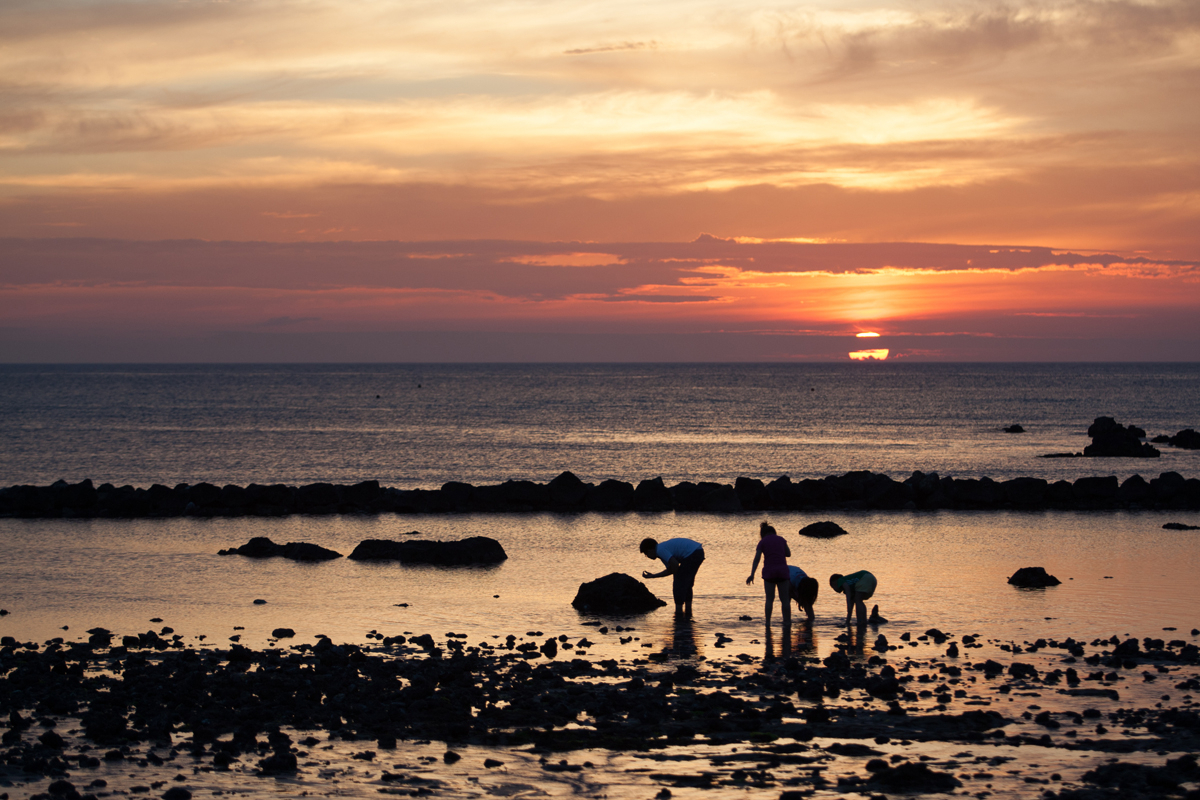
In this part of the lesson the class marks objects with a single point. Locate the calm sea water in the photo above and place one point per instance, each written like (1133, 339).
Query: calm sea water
(417, 426)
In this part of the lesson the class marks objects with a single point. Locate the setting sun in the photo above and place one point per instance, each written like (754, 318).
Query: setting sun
(869, 355)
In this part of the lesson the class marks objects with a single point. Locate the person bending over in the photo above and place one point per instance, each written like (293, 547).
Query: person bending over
(803, 590)
(858, 588)
(773, 550)
(681, 558)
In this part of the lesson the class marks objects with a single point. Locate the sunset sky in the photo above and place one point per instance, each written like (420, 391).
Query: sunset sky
(244, 180)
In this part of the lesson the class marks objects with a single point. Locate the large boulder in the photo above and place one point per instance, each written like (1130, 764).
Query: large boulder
(567, 491)
(616, 593)
(1188, 439)
(473, 550)
(262, 547)
(1033, 578)
(823, 530)
(610, 495)
(653, 495)
(1111, 439)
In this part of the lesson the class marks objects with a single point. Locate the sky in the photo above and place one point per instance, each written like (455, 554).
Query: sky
(252, 180)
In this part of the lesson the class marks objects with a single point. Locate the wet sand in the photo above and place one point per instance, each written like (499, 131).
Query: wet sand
(528, 714)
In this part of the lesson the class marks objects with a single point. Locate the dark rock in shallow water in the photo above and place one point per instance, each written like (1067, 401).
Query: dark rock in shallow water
(303, 551)
(473, 550)
(876, 618)
(1187, 439)
(823, 530)
(1014, 429)
(262, 547)
(1032, 577)
(376, 550)
(1179, 526)
(1143, 778)
(913, 777)
(616, 593)
(283, 633)
(1110, 439)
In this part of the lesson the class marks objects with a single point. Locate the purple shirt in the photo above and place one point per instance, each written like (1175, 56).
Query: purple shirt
(774, 549)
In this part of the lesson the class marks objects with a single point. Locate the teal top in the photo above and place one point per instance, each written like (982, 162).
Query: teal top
(848, 581)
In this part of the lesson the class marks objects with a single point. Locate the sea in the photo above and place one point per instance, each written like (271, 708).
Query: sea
(419, 426)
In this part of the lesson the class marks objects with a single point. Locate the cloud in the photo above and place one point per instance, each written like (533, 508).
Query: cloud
(611, 48)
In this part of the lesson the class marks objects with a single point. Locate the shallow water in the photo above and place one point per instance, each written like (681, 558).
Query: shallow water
(1120, 570)
(1122, 574)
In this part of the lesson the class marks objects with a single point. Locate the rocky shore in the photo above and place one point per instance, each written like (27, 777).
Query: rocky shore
(1057, 719)
(567, 493)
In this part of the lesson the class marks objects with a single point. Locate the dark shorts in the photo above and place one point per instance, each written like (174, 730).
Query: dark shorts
(806, 592)
(685, 577)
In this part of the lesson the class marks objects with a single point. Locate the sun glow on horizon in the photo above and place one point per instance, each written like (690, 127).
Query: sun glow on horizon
(866, 335)
(869, 355)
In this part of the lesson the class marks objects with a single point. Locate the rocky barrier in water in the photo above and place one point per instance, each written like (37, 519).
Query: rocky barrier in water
(567, 493)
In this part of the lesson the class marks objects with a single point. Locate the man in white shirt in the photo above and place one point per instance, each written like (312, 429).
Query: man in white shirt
(681, 558)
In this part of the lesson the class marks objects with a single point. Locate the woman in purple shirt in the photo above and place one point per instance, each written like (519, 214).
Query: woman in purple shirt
(774, 551)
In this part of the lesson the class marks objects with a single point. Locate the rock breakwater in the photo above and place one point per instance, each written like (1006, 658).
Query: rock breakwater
(567, 493)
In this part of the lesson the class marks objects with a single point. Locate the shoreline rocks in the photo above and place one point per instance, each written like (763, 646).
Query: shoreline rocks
(760, 724)
(852, 491)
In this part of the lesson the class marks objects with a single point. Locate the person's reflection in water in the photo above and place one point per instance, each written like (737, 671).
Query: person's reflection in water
(853, 642)
(683, 639)
(785, 639)
(806, 638)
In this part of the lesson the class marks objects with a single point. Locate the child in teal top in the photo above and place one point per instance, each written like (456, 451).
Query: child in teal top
(858, 588)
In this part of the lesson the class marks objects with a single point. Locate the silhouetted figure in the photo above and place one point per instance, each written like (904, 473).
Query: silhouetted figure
(681, 558)
(773, 550)
(858, 588)
(803, 590)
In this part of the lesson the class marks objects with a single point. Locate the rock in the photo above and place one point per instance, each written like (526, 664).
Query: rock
(283, 633)
(615, 593)
(823, 530)
(1025, 492)
(876, 618)
(1143, 778)
(1014, 429)
(913, 777)
(304, 551)
(653, 495)
(1179, 526)
(263, 547)
(1110, 439)
(567, 491)
(610, 495)
(473, 550)
(1095, 492)
(1188, 439)
(752, 493)
(1033, 577)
